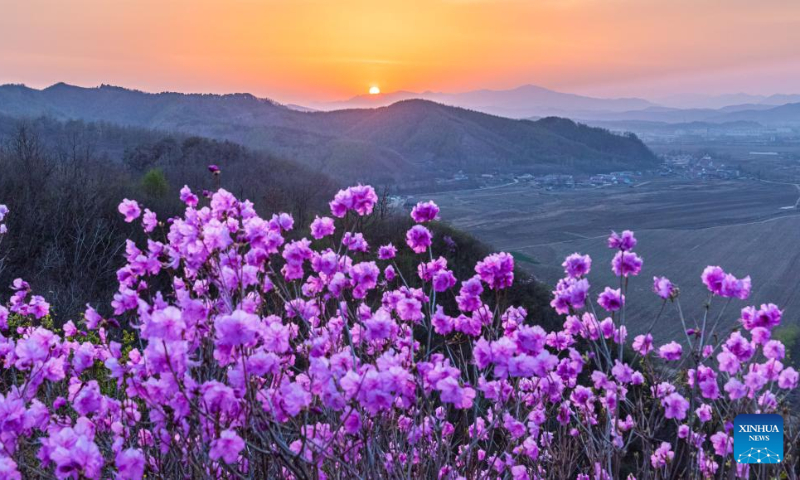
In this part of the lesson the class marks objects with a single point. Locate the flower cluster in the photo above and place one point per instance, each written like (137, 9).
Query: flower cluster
(3, 213)
(258, 352)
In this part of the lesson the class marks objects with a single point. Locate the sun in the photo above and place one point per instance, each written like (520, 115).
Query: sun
(374, 90)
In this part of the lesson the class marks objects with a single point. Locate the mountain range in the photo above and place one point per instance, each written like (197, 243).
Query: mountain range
(726, 100)
(520, 102)
(765, 115)
(407, 140)
(531, 101)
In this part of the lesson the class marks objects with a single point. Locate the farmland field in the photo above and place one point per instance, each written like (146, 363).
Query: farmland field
(743, 226)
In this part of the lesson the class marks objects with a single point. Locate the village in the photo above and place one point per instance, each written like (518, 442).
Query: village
(682, 165)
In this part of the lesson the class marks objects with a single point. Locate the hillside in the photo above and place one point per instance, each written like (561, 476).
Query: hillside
(63, 182)
(410, 139)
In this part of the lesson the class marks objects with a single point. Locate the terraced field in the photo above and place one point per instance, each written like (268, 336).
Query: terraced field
(743, 226)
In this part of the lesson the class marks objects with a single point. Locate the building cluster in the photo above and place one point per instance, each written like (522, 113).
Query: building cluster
(698, 167)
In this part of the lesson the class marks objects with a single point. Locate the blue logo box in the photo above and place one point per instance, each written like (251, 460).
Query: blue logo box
(758, 438)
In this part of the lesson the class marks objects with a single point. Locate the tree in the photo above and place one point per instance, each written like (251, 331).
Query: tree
(154, 183)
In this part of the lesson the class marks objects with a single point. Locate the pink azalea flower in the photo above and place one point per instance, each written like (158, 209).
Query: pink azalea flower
(130, 210)
(671, 351)
(662, 455)
(625, 241)
(360, 199)
(704, 412)
(387, 252)
(643, 344)
(663, 287)
(626, 264)
(322, 227)
(611, 300)
(675, 406)
(496, 270)
(188, 197)
(130, 464)
(238, 328)
(226, 447)
(149, 221)
(425, 212)
(418, 238)
(577, 265)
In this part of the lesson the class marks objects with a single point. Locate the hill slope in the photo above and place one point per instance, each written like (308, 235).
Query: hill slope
(408, 140)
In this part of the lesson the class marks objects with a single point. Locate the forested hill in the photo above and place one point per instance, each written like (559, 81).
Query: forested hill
(63, 181)
(409, 139)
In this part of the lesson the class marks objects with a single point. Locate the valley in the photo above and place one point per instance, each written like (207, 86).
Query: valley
(682, 225)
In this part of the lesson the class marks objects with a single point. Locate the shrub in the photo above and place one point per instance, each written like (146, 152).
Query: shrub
(313, 358)
(154, 183)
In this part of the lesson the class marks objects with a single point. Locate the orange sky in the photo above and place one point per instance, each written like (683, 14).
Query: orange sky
(296, 50)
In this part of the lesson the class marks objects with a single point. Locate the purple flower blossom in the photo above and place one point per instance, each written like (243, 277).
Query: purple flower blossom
(295, 398)
(626, 264)
(704, 412)
(675, 406)
(130, 210)
(768, 317)
(713, 277)
(496, 270)
(611, 300)
(130, 464)
(238, 328)
(643, 344)
(671, 351)
(451, 392)
(425, 212)
(624, 241)
(788, 379)
(735, 389)
(570, 293)
(728, 362)
(226, 447)
(442, 323)
(322, 227)
(8, 469)
(360, 199)
(725, 285)
(662, 455)
(187, 197)
(352, 423)
(723, 444)
(736, 288)
(355, 242)
(387, 252)
(775, 350)
(663, 287)
(418, 238)
(577, 265)
(149, 221)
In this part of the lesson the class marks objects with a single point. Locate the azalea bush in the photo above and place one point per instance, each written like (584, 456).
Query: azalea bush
(238, 348)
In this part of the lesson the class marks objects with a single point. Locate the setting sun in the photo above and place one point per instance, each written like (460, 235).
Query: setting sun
(374, 90)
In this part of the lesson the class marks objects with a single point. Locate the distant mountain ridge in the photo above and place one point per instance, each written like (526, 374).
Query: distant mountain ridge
(726, 100)
(770, 115)
(411, 139)
(521, 102)
(534, 102)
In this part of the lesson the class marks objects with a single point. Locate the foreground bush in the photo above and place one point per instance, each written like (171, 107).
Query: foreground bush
(254, 356)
